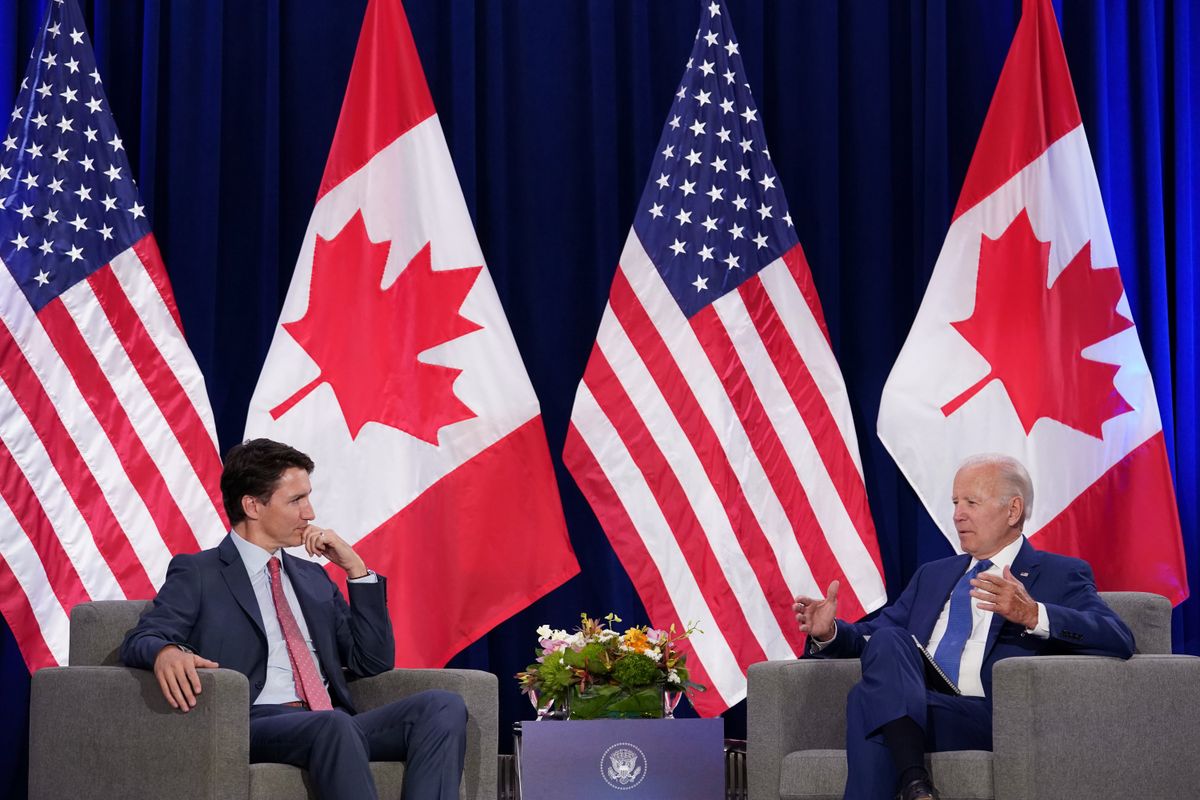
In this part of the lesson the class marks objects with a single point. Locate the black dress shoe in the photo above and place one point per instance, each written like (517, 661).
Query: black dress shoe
(920, 789)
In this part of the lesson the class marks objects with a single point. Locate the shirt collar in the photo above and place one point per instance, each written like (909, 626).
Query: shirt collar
(254, 557)
(999, 561)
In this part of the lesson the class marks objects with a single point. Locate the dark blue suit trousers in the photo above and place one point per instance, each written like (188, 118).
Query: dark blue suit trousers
(426, 731)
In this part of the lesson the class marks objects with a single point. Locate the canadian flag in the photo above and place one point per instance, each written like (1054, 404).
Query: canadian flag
(394, 368)
(1024, 343)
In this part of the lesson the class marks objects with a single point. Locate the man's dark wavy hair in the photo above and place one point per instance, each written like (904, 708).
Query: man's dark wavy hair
(254, 468)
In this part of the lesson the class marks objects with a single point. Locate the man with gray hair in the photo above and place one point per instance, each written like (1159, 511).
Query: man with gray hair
(927, 658)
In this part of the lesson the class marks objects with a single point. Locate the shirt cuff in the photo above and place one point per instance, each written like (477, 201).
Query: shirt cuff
(815, 646)
(1042, 630)
(371, 577)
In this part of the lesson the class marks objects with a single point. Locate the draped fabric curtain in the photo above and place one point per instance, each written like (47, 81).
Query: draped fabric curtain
(552, 111)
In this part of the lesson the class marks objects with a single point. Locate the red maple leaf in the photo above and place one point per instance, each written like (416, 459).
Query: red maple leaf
(1032, 336)
(366, 339)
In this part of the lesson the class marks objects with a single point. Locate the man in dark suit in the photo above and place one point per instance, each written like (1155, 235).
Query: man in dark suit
(1001, 598)
(281, 621)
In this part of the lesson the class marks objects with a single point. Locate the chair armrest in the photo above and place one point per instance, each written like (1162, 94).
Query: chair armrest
(1086, 726)
(107, 732)
(480, 692)
(794, 705)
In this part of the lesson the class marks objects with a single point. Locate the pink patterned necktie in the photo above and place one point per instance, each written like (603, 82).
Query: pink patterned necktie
(304, 670)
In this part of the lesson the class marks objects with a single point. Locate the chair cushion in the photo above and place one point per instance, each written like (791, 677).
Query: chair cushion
(284, 782)
(962, 774)
(821, 775)
(813, 775)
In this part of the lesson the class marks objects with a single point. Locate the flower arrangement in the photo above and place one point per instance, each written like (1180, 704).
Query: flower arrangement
(600, 672)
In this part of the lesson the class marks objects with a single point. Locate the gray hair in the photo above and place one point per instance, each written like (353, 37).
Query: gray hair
(1014, 478)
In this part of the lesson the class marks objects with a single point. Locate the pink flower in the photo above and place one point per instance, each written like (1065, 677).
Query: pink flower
(552, 645)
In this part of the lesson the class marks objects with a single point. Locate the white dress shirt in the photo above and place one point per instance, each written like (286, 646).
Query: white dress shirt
(970, 679)
(280, 686)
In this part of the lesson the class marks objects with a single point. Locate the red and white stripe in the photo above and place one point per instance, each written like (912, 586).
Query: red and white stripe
(720, 456)
(108, 454)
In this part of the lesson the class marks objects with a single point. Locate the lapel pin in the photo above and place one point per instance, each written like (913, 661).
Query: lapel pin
(1024, 574)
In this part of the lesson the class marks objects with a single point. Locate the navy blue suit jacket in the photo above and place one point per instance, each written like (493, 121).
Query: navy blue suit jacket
(207, 603)
(1080, 622)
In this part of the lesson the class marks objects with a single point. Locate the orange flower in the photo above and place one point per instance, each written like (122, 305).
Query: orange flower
(635, 640)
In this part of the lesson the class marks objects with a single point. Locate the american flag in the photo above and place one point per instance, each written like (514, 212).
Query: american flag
(711, 432)
(108, 455)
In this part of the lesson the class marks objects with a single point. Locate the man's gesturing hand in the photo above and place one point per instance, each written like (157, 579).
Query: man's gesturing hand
(1006, 596)
(176, 674)
(816, 617)
(324, 542)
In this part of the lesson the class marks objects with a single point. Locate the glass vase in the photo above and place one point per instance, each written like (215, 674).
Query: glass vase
(610, 701)
(545, 706)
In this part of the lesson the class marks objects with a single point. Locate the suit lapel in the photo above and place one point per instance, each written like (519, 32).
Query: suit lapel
(311, 607)
(1025, 568)
(1027, 565)
(308, 603)
(233, 570)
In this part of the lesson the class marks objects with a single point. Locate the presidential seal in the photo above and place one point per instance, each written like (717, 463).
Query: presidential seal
(623, 765)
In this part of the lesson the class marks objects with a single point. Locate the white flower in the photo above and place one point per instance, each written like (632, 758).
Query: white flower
(655, 654)
(544, 631)
(672, 677)
(575, 640)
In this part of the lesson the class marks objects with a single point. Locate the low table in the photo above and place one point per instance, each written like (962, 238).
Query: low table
(610, 758)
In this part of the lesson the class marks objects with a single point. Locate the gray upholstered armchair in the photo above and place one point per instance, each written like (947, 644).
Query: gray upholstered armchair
(1063, 727)
(100, 730)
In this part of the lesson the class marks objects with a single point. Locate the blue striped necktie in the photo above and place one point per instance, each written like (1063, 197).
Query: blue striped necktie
(959, 624)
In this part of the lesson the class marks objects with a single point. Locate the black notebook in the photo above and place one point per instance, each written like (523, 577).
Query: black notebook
(935, 678)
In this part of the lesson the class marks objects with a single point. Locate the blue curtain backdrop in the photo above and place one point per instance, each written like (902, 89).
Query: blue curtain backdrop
(552, 109)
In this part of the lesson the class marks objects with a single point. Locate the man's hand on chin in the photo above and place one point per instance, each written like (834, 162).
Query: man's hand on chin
(324, 542)
(175, 670)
